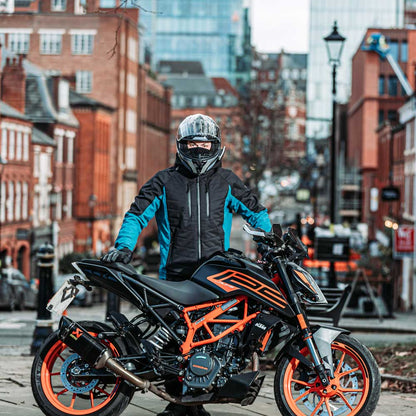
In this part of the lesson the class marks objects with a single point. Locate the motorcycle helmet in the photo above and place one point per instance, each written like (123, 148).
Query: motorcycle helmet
(199, 128)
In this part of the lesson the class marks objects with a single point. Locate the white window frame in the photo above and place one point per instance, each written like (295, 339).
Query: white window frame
(4, 143)
(58, 5)
(18, 201)
(59, 148)
(25, 200)
(19, 41)
(58, 207)
(12, 144)
(131, 85)
(70, 150)
(3, 202)
(132, 49)
(50, 42)
(36, 163)
(10, 202)
(69, 204)
(83, 82)
(130, 157)
(131, 121)
(19, 144)
(25, 147)
(82, 41)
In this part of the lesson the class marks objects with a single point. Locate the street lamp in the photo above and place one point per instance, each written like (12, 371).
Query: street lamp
(334, 44)
(3, 163)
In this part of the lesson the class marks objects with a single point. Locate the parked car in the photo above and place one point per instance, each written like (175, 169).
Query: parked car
(83, 298)
(15, 291)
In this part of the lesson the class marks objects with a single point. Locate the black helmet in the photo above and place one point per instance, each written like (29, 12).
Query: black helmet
(199, 128)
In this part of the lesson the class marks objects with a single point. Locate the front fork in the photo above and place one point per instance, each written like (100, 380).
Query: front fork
(319, 343)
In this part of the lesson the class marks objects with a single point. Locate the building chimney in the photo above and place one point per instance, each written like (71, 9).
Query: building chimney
(13, 84)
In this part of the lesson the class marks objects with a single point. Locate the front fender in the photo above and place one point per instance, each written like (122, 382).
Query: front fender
(323, 336)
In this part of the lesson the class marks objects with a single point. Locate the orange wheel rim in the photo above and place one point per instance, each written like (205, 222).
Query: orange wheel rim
(346, 394)
(63, 399)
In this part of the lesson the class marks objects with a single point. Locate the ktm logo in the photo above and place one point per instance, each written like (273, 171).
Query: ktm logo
(76, 334)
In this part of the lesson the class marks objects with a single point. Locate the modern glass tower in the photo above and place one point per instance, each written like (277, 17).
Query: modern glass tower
(214, 32)
(353, 17)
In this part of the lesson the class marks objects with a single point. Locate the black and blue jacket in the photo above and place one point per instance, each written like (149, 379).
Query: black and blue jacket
(193, 213)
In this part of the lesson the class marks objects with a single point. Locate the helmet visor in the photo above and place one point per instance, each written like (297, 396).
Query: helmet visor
(199, 148)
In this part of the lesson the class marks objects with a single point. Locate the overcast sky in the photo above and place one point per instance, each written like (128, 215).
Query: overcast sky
(278, 24)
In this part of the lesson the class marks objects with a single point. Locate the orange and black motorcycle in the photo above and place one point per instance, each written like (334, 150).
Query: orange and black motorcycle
(198, 341)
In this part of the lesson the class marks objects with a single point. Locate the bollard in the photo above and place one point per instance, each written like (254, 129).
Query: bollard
(113, 304)
(44, 323)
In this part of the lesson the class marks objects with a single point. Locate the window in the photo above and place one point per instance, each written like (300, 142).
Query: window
(63, 95)
(25, 146)
(130, 157)
(11, 144)
(83, 81)
(50, 43)
(392, 115)
(18, 202)
(70, 150)
(10, 202)
(132, 50)
(59, 149)
(58, 209)
(25, 200)
(69, 204)
(392, 85)
(3, 202)
(131, 85)
(36, 164)
(19, 145)
(381, 87)
(403, 51)
(380, 116)
(19, 42)
(58, 5)
(82, 43)
(4, 143)
(131, 121)
(394, 49)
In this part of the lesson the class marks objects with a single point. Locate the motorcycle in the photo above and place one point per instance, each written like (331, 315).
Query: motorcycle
(198, 341)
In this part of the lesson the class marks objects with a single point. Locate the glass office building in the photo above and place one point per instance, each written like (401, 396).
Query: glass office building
(353, 18)
(214, 32)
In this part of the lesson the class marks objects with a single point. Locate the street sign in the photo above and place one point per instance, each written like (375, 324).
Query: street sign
(390, 193)
(404, 241)
(332, 248)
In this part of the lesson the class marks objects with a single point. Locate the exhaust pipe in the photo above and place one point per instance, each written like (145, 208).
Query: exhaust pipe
(95, 353)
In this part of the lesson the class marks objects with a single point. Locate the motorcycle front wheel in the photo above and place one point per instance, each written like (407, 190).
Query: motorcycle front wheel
(59, 392)
(353, 391)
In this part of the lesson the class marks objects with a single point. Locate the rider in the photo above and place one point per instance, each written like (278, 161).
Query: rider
(193, 202)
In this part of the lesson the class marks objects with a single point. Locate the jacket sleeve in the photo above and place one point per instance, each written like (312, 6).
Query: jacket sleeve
(141, 211)
(244, 202)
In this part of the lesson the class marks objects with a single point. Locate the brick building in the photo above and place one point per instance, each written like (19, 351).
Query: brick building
(92, 201)
(376, 97)
(15, 185)
(97, 52)
(194, 92)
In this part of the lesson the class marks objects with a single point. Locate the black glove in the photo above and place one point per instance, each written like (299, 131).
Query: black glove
(114, 255)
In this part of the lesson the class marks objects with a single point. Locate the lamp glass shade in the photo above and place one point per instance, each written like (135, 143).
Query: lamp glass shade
(334, 45)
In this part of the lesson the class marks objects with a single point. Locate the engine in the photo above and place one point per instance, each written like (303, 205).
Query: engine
(213, 364)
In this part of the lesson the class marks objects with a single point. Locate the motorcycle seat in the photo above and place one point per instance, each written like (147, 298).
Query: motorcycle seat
(184, 292)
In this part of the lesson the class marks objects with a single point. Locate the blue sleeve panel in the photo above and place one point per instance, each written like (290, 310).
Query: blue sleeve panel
(133, 225)
(255, 219)
(164, 235)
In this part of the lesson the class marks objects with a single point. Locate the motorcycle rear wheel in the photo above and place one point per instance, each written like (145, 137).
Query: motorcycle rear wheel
(59, 394)
(354, 391)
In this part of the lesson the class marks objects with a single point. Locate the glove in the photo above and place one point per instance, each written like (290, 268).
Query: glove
(114, 255)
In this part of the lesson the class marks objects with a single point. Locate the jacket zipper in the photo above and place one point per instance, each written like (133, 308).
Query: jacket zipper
(207, 196)
(199, 217)
(189, 202)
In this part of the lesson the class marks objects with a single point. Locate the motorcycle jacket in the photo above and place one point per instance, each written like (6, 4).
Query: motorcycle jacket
(193, 213)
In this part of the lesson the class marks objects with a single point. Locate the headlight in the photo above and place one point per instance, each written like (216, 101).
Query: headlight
(305, 283)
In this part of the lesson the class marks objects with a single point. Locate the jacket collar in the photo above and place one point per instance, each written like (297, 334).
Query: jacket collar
(182, 169)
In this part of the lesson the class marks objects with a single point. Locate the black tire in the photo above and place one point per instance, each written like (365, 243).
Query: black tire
(365, 380)
(114, 401)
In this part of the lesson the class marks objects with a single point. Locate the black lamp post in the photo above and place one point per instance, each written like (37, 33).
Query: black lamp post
(3, 163)
(334, 44)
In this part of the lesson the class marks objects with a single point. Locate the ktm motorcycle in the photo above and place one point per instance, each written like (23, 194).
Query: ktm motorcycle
(198, 341)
